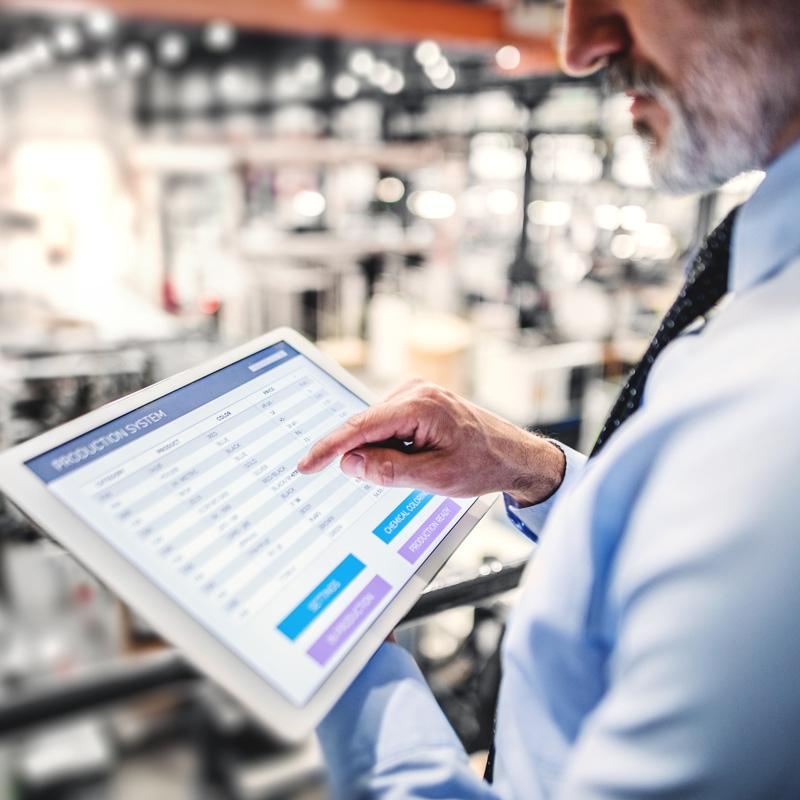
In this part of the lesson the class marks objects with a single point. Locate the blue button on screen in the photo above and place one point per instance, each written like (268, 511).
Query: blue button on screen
(401, 516)
(320, 597)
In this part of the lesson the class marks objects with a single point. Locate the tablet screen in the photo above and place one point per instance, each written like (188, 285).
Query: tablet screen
(200, 491)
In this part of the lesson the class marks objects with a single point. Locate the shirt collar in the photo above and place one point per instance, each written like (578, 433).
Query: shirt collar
(766, 235)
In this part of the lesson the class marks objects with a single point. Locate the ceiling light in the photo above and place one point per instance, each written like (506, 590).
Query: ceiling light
(395, 84)
(427, 53)
(508, 57)
(239, 85)
(67, 39)
(448, 81)
(172, 48)
(381, 74)
(310, 71)
(101, 24)
(438, 70)
(345, 86)
(390, 190)
(232, 84)
(220, 36)
(362, 62)
(136, 59)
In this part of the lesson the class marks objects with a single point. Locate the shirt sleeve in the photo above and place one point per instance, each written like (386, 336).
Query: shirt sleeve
(387, 738)
(532, 520)
(702, 611)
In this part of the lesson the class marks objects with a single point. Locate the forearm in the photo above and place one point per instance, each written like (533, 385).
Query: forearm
(388, 738)
(537, 470)
(531, 518)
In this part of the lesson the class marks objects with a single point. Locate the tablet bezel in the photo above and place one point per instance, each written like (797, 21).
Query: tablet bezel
(209, 654)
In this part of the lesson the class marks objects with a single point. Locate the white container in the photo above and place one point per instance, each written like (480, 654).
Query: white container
(388, 327)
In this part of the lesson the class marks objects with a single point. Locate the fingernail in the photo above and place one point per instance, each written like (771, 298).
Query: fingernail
(353, 464)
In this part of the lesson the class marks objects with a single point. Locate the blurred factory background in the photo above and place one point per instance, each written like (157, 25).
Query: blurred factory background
(411, 183)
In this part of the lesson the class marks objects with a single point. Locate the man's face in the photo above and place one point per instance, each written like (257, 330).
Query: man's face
(712, 82)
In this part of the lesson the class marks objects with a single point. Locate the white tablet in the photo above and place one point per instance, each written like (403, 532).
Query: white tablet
(185, 499)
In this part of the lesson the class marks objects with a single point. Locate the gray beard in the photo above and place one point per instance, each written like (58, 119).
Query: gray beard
(741, 91)
(728, 116)
(719, 134)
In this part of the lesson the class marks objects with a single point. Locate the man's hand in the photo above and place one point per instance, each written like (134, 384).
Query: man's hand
(457, 449)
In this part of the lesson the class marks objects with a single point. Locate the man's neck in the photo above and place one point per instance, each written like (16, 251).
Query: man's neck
(789, 135)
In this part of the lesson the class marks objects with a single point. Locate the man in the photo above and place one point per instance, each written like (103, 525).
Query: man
(655, 648)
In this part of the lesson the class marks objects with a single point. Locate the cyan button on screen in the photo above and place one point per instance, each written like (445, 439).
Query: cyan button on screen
(401, 516)
(320, 597)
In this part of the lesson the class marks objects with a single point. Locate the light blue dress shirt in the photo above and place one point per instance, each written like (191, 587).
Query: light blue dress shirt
(655, 647)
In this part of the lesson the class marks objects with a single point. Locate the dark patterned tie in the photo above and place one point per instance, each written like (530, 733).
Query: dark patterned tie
(705, 286)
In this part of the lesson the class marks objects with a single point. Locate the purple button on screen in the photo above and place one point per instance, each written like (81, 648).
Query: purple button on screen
(349, 620)
(428, 532)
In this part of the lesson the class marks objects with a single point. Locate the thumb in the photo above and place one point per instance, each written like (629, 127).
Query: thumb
(386, 467)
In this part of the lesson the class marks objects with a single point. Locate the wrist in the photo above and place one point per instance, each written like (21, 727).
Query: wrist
(539, 474)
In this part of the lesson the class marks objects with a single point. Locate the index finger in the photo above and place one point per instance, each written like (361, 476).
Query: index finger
(369, 427)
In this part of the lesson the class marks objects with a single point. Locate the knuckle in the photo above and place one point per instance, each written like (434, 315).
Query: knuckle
(435, 396)
(385, 474)
(420, 407)
(356, 423)
(430, 391)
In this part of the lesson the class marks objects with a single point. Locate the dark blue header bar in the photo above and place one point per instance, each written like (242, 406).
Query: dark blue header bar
(104, 440)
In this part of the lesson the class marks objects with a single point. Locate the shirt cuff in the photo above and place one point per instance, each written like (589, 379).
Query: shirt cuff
(387, 714)
(532, 520)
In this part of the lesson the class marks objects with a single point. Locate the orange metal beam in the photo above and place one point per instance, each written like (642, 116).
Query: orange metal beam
(447, 21)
